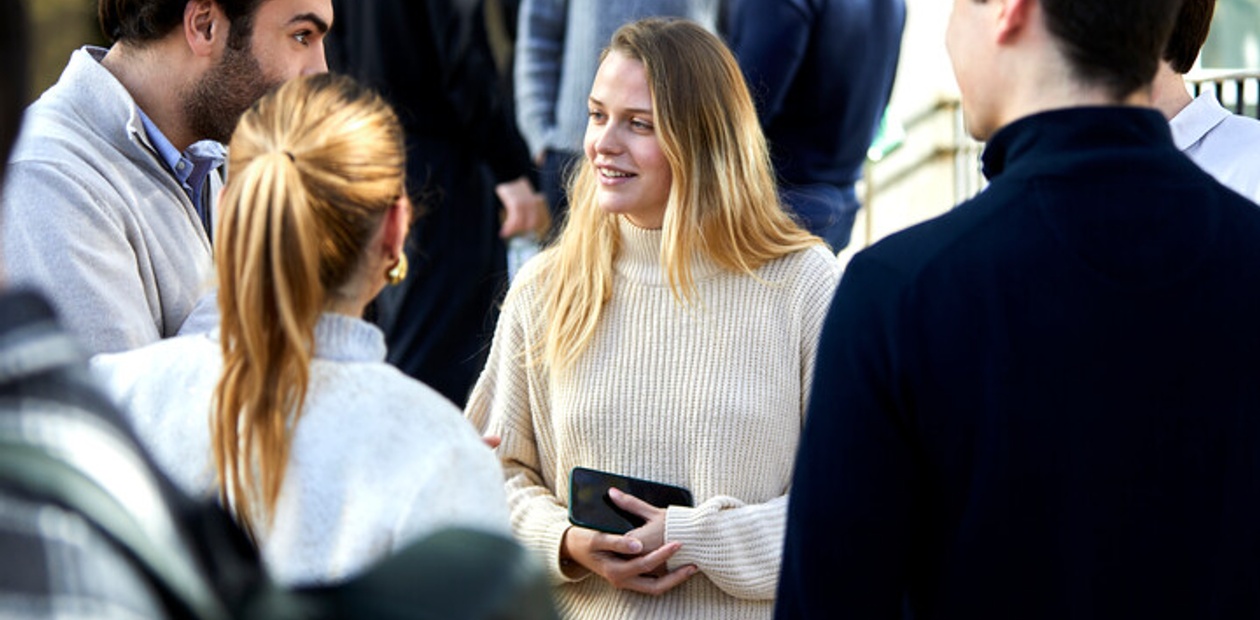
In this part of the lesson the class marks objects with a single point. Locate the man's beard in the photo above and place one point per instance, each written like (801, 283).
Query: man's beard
(214, 104)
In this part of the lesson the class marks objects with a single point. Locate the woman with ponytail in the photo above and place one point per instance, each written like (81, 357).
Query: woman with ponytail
(327, 456)
(668, 335)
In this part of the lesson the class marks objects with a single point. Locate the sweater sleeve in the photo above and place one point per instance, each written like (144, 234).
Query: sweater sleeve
(739, 545)
(505, 402)
(539, 54)
(59, 238)
(736, 545)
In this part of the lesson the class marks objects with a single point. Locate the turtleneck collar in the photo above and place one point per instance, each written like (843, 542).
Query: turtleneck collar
(342, 338)
(1070, 131)
(338, 337)
(640, 257)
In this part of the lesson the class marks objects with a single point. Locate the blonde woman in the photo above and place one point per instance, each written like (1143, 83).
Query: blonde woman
(329, 457)
(668, 335)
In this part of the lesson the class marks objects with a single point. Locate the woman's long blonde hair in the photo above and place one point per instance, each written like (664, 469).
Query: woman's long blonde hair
(313, 169)
(723, 203)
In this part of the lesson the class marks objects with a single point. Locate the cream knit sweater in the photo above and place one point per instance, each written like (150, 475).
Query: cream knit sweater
(710, 397)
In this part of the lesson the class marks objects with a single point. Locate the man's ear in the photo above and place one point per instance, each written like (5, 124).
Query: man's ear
(1012, 18)
(205, 26)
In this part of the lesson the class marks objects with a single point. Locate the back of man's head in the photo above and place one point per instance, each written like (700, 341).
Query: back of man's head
(142, 21)
(13, 80)
(1113, 44)
(1189, 34)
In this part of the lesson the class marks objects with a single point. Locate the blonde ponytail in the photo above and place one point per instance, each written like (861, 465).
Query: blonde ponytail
(313, 169)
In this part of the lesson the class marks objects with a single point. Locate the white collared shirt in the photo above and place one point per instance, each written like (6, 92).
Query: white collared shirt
(1224, 144)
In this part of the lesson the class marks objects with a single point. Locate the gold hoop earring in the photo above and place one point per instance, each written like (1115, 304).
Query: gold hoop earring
(398, 272)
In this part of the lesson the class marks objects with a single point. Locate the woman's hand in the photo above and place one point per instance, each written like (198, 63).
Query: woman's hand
(651, 533)
(623, 562)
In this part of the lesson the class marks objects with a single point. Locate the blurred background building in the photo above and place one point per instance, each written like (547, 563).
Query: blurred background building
(927, 164)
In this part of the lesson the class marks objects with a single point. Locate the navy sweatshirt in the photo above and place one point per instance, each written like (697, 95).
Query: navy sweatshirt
(1045, 403)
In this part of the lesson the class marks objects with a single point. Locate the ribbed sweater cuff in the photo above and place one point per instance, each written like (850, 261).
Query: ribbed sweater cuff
(685, 525)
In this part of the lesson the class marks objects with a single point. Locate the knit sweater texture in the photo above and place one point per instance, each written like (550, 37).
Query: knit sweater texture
(709, 396)
(94, 219)
(378, 459)
(557, 54)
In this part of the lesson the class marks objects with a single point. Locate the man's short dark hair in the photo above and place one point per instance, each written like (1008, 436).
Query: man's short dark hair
(143, 21)
(14, 79)
(1115, 44)
(1189, 34)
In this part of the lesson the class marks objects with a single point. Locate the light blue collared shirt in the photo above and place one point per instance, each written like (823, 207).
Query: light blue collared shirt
(191, 168)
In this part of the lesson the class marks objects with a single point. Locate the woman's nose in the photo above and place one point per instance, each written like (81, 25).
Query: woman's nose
(608, 140)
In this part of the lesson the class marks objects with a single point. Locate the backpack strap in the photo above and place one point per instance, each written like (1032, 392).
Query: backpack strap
(69, 456)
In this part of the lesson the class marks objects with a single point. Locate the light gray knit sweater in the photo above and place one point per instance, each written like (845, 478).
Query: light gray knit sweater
(710, 397)
(378, 459)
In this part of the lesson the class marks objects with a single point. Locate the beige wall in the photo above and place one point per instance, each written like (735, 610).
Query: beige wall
(919, 180)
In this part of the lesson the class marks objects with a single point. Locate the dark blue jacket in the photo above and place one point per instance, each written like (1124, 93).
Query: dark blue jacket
(1045, 403)
(431, 60)
(821, 72)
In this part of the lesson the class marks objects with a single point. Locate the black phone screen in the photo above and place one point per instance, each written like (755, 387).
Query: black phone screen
(591, 507)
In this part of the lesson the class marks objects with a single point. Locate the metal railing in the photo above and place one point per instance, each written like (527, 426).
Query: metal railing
(1237, 90)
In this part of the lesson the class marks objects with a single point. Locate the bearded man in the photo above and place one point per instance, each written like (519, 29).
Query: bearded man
(109, 205)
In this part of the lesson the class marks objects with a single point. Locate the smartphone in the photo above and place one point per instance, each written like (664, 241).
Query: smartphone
(591, 507)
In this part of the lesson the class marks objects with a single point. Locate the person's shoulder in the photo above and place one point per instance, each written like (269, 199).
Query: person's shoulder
(69, 138)
(1237, 135)
(173, 357)
(817, 257)
(55, 139)
(402, 401)
(194, 345)
(1237, 188)
(980, 221)
(1246, 123)
(399, 420)
(76, 104)
(529, 285)
(816, 263)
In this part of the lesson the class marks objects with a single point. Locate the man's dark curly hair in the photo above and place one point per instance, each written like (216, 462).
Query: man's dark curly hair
(143, 21)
